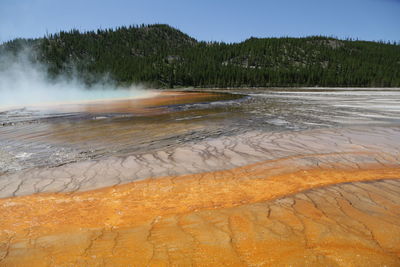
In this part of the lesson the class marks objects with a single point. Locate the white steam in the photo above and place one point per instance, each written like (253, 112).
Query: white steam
(23, 83)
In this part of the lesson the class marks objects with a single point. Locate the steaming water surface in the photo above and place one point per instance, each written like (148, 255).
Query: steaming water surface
(33, 97)
(38, 136)
(26, 82)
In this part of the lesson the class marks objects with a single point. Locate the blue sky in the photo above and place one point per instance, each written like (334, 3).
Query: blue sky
(210, 20)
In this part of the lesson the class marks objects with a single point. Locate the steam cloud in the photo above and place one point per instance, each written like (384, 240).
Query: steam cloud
(24, 83)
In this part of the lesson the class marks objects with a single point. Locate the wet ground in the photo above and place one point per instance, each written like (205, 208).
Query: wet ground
(57, 135)
(268, 177)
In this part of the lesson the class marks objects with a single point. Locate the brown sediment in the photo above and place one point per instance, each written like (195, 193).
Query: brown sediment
(311, 198)
(325, 197)
(151, 104)
(212, 218)
(280, 152)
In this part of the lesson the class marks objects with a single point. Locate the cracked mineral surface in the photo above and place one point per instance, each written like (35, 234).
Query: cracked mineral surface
(255, 178)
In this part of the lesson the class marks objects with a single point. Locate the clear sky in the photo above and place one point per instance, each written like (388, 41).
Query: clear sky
(210, 20)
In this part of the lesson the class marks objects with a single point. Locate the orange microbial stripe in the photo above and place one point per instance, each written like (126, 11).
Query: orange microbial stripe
(85, 228)
(135, 202)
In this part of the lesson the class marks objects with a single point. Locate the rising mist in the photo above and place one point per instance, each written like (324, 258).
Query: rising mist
(24, 82)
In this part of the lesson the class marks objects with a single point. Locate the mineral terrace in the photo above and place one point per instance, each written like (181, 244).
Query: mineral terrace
(254, 178)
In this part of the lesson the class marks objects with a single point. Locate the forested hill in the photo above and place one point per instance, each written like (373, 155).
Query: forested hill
(162, 56)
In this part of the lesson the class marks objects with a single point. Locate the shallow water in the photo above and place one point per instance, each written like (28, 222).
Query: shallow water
(57, 135)
(204, 178)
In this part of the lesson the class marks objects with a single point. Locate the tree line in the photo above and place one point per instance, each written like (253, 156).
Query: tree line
(162, 56)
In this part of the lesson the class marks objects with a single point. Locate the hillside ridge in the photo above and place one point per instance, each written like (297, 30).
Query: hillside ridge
(161, 56)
